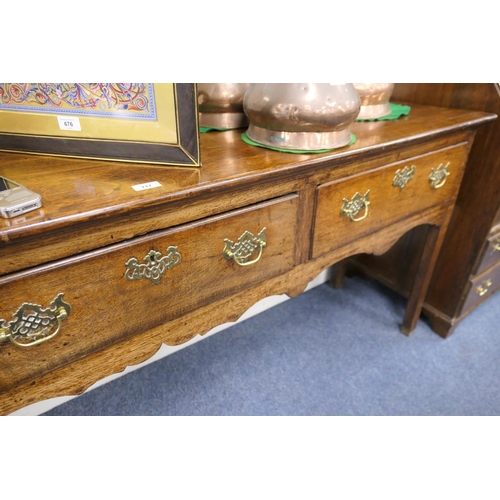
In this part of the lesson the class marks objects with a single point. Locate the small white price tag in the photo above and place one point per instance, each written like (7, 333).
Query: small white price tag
(69, 123)
(147, 185)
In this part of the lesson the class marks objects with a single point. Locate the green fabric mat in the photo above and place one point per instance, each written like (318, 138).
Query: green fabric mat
(397, 110)
(298, 151)
(204, 130)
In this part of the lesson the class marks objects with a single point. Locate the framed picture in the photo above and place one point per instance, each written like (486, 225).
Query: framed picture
(134, 122)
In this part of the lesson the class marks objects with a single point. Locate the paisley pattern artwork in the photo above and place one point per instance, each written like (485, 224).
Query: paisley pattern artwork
(127, 100)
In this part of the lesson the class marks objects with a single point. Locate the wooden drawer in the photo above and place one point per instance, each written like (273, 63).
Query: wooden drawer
(491, 253)
(482, 287)
(362, 204)
(107, 307)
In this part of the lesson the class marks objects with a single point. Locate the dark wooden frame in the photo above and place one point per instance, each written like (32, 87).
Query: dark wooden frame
(185, 153)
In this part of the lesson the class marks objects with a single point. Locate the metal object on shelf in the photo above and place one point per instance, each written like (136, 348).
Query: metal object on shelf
(220, 105)
(374, 99)
(301, 116)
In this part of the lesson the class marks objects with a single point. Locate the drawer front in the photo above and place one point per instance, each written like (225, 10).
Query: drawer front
(132, 287)
(357, 206)
(491, 253)
(482, 287)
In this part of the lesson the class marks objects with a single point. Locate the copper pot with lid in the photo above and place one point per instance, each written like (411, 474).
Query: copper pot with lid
(220, 105)
(374, 99)
(302, 116)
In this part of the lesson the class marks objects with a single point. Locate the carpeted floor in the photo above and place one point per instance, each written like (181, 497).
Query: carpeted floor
(326, 352)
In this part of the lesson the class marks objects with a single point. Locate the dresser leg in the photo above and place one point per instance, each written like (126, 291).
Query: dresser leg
(338, 274)
(433, 241)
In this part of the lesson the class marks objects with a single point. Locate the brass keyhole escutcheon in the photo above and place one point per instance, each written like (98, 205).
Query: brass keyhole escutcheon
(155, 265)
(403, 177)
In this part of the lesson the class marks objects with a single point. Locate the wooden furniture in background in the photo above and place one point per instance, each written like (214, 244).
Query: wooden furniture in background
(162, 265)
(467, 271)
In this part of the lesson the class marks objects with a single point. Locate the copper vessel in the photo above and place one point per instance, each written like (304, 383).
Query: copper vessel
(301, 116)
(220, 105)
(374, 99)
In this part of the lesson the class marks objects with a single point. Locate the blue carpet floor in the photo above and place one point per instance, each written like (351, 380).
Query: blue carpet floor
(326, 352)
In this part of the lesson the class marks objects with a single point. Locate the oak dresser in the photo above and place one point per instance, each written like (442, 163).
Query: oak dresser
(102, 275)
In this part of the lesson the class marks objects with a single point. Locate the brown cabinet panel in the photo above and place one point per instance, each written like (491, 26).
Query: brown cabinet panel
(496, 220)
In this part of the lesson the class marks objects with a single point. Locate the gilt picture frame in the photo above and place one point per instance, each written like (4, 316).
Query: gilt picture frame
(155, 123)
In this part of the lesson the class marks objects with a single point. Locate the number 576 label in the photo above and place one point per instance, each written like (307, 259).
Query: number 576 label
(69, 123)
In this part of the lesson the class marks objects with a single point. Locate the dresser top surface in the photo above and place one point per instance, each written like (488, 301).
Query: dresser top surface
(75, 190)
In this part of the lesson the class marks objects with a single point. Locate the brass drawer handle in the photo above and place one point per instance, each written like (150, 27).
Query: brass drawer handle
(33, 325)
(155, 266)
(482, 289)
(352, 208)
(245, 247)
(438, 176)
(402, 177)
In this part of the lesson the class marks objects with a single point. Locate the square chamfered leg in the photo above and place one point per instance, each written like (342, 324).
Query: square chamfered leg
(431, 248)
